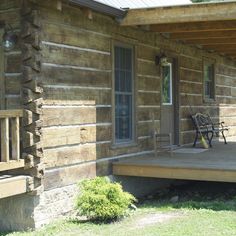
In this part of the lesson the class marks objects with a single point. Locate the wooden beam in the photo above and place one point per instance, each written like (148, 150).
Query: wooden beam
(11, 113)
(15, 138)
(220, 47)
(5, 155)
(194, 26)
(204, 35)
(11, 165)
(2, 73)
(59, 5)
(11, 186)
(224, 50)
(175, 173)
(179, 14)
(216, 41)
(220, 51)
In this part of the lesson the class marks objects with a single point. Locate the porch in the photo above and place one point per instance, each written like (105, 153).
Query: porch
(186, 163)
(10, 154)
(10, 151)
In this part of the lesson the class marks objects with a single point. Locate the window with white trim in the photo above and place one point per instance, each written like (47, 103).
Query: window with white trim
(167, 84)
(123, 76)
(209, 79)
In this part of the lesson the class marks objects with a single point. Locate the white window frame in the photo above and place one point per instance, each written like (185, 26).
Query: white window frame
(117, 142)
(171, 85)
(205, 96)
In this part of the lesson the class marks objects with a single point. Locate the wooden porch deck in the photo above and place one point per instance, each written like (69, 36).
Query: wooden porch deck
(215, 164)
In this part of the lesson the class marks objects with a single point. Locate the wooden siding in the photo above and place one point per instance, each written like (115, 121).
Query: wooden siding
(77, 81)
(10, 14)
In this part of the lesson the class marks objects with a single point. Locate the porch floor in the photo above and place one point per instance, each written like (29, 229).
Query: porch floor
(215, 164)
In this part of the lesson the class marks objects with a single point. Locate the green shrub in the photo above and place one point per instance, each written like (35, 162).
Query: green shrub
(101, 200)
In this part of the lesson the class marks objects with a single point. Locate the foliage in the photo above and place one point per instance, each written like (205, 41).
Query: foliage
(190, 222)
(102, 200)
(204, 208)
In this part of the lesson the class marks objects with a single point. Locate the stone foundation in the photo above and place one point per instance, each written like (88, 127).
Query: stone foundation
(24, 211)
(55, 203)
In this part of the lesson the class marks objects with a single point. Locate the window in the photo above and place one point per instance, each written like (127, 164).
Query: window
(209, 80)
(123, 76)
(167, 84)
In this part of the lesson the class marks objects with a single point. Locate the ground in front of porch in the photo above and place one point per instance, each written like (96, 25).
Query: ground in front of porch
(203, 208)
(215, 164)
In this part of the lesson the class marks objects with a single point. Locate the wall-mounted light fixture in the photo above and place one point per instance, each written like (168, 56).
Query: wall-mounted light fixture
(9, 39)
(161, 60)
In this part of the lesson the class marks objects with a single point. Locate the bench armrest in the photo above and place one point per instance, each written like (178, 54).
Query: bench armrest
(220, 126)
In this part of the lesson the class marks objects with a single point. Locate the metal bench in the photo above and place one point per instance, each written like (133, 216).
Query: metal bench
(204, 126)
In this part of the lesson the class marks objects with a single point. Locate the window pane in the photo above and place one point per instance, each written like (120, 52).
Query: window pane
(208, 80)
(166, 84)
(117, 80)
(128, 83)
(123, 116)
(123, 94)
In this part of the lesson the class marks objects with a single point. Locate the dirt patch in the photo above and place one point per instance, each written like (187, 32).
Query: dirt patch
(155, 218)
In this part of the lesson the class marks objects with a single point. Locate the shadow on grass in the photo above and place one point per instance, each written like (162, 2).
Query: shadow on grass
(216, 205)
(95, 221)
(196, 195)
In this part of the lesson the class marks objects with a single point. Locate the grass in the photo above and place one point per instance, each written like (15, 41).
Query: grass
(203, 209)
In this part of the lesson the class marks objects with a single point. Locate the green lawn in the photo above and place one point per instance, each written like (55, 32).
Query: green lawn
(199, 212)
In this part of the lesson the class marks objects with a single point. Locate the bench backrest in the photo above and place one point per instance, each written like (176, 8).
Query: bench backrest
(202, 121)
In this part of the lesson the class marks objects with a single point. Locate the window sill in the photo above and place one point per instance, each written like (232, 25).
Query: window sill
(124, 145)
(209, 100)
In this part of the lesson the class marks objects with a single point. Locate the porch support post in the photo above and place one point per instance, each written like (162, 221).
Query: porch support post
(5, 140)
(15, 136)
(2, 74)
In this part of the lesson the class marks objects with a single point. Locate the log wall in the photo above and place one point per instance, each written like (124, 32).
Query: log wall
(12, 76)
(77, 81)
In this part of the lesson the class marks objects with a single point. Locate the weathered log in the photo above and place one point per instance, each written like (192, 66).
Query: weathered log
(32, 94)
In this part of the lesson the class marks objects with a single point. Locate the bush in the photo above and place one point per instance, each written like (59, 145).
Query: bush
(102, 200)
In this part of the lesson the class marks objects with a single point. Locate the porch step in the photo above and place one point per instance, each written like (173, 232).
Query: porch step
(14, 185)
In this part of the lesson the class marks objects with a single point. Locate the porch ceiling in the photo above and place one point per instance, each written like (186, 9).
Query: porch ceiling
(211, 26)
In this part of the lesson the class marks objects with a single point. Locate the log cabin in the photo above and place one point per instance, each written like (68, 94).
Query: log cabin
(83, 84)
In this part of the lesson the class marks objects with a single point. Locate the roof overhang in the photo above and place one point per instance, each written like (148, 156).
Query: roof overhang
(100, 7)
(211, 26)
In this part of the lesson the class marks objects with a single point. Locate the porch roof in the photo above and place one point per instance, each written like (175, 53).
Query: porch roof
(210, 26)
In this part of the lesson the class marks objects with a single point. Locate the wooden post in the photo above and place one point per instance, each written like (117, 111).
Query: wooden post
(15, 138)
(2, 75)
(59, 5)
(5, 140)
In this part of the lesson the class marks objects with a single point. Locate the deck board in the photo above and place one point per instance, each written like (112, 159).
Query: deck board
(215, 164)
(14, 185)
(12, 164)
